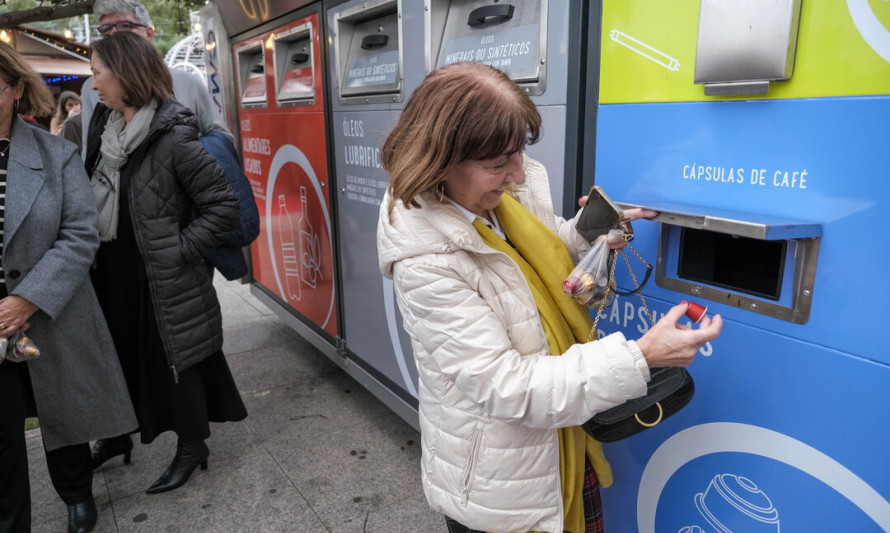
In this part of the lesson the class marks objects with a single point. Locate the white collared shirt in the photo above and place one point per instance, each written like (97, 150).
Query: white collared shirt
(471, 216)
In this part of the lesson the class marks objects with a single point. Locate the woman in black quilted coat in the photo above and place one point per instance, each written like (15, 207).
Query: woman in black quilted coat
(163, 203)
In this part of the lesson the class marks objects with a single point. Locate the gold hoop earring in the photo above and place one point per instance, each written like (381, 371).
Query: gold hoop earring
(440, 191)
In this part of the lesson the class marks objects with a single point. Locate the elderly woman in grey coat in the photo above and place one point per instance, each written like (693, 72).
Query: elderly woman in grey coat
(49, 238)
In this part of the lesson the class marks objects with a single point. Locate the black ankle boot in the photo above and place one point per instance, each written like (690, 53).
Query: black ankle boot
(82, 516)
(188, 456)
(105, 449)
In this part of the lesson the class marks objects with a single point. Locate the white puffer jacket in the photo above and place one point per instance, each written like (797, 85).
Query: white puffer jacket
(491, 396)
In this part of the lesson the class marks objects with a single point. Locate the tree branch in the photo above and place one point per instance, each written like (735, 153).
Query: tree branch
(39, 14)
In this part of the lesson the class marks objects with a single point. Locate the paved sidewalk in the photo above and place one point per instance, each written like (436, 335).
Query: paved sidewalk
(317, 453)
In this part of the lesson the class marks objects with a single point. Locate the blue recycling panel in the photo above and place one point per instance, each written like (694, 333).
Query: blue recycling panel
(834, 153)
(787, 430)
(800, 422)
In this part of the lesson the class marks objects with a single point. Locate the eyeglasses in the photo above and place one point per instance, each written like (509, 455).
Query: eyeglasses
(3, 90)
(124, 25)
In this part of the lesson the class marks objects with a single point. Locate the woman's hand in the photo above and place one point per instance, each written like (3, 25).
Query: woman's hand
(14, 314)
(627, 214)
(671, 344)
(636, 213)
(616, 237)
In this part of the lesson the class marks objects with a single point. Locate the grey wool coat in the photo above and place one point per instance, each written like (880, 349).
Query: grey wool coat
(50, 238)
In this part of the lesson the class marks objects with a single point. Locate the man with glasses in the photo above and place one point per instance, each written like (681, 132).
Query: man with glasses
(189, 90)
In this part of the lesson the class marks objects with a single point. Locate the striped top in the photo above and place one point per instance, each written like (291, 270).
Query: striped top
(4, 159)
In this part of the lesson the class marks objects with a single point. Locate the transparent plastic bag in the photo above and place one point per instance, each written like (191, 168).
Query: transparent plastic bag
(589, 280)
(17, 349)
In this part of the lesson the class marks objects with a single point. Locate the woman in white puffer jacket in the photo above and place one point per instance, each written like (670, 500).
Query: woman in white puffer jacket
(498, 414)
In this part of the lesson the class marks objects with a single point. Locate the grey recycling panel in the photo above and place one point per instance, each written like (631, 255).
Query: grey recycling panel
(550, 150)
(372, 323)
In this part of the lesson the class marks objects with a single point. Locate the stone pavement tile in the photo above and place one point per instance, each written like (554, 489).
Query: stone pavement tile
(255, 332)
(240, 307)
(311, 407)
(231, 441)
(235, 299)
(411, 515)
(253, 495)
(274, 366)
(247, 323)
(350, 472)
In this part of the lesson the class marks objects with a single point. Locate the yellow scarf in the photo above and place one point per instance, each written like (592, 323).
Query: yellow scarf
(545, 262)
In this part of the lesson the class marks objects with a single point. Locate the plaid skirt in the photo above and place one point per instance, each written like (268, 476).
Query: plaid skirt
(593, 509)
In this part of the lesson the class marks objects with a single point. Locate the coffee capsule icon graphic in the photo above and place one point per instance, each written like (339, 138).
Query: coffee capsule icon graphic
(733, 503)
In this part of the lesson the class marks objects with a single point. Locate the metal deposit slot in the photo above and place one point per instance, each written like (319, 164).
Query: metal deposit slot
(369, 55)
(510, 36)
(293, 56)
(252, 75)
(759, 263)
(740, 264)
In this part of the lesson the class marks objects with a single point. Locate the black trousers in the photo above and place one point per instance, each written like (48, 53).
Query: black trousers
(69, 467)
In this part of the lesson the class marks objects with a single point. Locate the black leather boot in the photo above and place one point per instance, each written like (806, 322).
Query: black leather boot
(82, 516)
(188, 456)
(105, 449)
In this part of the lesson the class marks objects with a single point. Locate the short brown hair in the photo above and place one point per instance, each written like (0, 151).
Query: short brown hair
(464, 111)
(137, 65)
(36, 100)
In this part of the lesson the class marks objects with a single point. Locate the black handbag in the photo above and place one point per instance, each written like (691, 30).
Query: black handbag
(669, 390)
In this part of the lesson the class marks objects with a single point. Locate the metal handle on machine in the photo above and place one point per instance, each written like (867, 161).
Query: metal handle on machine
(480, 15)
(296, 59)
(374, 41)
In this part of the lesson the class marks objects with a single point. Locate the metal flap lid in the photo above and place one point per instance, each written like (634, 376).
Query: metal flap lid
(251, 66)
(373, 63)
(298, 78)
(753, 225)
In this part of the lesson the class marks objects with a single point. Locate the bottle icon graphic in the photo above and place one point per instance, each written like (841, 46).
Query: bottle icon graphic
(310, 249)
(289, 250)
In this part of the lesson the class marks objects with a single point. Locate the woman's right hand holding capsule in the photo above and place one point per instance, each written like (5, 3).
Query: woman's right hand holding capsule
(669, 343)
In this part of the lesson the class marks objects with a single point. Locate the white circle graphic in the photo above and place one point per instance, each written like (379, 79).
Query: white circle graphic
(390, 306)
(718, 437)
(291, 154)
(871, 29)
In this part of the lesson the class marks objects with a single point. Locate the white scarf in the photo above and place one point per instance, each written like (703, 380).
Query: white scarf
(119, 140)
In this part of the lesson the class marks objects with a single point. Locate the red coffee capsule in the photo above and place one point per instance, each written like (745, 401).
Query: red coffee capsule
(695, 312)
(572, 286)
